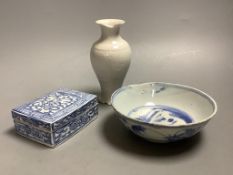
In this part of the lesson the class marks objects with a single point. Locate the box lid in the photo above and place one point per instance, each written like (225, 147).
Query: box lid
(53, 106)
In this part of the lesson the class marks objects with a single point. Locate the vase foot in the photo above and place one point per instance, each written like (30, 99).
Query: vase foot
(104, 101)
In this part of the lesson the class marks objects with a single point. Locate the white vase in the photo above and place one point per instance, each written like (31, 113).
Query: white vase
(110, 58)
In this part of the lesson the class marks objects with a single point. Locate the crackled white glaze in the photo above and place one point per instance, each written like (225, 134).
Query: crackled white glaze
(110, 58)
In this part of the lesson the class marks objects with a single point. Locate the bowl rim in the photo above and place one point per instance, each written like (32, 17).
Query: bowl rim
(198, 91)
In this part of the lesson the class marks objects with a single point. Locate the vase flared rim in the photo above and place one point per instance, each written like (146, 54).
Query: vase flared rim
(110, 22)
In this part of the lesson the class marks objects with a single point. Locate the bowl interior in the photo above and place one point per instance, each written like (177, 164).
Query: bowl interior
(163, 103)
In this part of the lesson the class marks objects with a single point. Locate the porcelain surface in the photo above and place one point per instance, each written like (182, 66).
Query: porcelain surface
(56, 116)
(163, 112)
(110, 58)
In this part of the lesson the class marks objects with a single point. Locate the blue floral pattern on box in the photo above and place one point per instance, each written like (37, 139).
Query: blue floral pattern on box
(56, 116)
(33, 133)
(74, 126)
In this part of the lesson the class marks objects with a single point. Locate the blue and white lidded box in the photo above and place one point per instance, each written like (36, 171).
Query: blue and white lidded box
(55, 117)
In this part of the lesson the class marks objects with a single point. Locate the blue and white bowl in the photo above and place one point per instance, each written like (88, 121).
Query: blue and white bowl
(163, 112)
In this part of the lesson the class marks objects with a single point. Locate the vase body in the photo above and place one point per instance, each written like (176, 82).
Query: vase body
(110, 58)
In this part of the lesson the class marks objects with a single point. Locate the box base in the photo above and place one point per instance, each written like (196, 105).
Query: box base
(54, 145)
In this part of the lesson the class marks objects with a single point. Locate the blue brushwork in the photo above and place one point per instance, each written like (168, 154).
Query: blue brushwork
(176, 113)
(182, 134)
(147, 118)
(138, 129)
(159, 113)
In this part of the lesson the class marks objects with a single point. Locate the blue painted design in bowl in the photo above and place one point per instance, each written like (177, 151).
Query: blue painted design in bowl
(138, 129)
(162, 114)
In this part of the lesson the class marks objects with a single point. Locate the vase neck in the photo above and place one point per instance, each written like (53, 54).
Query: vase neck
(110, 27)
(107, 32)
